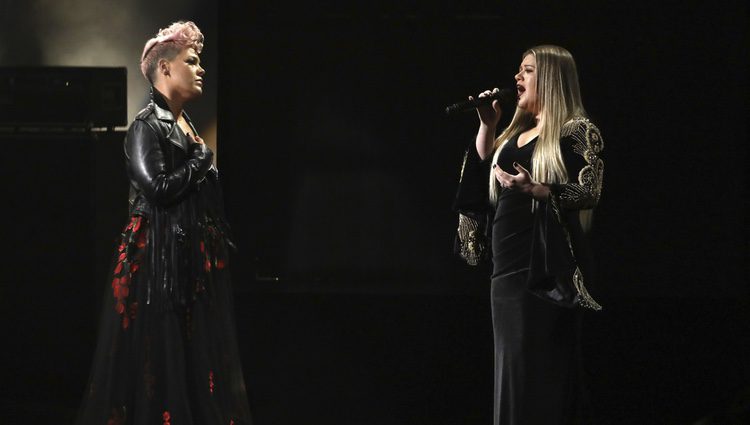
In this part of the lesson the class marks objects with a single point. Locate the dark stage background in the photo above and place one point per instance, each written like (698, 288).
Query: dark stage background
(339, 171)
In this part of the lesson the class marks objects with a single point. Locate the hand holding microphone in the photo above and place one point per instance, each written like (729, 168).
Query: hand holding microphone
(491, 99)
(489, 106)
(489, 113)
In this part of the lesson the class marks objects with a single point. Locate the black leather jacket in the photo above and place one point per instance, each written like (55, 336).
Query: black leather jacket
(174, 185)
(161, 165)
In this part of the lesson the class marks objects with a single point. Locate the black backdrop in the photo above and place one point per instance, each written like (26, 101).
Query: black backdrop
(339, 170)
(339, 164)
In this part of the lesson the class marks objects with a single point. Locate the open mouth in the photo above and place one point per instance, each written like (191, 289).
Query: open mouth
(521, 89)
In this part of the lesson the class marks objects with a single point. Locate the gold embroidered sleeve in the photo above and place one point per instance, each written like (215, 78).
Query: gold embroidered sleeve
(472, 207)
(581, 145)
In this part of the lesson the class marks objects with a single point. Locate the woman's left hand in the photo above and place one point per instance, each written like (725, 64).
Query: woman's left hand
(521, 181)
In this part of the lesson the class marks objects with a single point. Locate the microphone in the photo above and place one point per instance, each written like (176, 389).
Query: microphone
(506, 97)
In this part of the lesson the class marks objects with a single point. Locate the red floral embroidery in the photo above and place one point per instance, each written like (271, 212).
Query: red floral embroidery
(166, 416)
(116, 418)
(211, 381)
(231, 422)
(141, 242)
(127, 265)
(214, 253)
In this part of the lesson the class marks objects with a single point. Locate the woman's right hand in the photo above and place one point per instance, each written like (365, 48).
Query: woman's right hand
(489, 115)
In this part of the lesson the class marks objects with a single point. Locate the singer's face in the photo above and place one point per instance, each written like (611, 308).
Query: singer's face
(186, 74)
(526, 85)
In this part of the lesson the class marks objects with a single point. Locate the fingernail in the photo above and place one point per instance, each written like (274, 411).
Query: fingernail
(515, 164)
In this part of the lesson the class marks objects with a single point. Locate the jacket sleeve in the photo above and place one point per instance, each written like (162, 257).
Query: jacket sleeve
(472, 205)
(581, 145)
(472, 196)
(561, 263)
(147, 167)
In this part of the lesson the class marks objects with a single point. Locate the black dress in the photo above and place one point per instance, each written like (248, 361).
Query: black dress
(538, 374)
(167, 350)
(536, 342)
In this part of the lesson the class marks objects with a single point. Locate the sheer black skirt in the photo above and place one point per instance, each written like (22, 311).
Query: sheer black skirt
(155, 365)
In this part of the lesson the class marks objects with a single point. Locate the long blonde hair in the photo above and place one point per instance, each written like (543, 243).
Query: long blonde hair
(559, 100)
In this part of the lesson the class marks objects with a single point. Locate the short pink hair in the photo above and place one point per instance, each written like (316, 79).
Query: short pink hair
(167, 43)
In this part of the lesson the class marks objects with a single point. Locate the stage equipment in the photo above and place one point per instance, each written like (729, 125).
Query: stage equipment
(37, 98)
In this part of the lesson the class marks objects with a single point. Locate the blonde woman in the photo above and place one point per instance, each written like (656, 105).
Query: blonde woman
(167, 350)
(545, 176)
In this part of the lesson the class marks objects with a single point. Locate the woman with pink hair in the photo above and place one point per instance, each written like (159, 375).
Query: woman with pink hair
(167, 349)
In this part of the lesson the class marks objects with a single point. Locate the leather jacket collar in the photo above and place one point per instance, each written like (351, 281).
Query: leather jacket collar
(161, 109)
(162, 112)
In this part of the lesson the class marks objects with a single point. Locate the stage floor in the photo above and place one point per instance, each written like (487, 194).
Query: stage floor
(388, 359)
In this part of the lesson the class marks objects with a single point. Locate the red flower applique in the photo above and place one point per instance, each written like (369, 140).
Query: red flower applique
(141, 242)
(166, 416)
(130, 252)
(116, 418)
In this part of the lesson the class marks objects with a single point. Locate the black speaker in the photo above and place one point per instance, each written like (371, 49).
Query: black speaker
(66, 201)
(63, 97)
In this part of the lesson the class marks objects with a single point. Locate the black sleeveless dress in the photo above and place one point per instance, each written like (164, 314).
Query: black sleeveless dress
(537, 375)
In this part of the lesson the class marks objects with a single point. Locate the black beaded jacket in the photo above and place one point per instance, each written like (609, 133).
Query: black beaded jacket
(561, 257)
